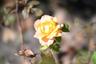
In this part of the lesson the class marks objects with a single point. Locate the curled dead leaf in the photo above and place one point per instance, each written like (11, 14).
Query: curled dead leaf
(26, 53)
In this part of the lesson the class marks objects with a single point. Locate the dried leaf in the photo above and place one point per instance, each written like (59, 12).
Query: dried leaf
(26, 53)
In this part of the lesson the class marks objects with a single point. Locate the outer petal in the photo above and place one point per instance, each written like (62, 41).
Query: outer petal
(36, 24)
(39, 35)
(54, 19)
(46, 18)
(48, 43)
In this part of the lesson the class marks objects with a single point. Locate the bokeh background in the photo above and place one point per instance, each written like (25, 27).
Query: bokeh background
(80, 15)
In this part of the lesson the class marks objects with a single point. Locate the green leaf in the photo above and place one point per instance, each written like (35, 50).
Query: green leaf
(47, 58)
(58, 39)
(55, 47)
(65, 28)
(94, 58)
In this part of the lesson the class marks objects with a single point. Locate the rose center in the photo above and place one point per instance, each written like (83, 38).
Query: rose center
(46, 29)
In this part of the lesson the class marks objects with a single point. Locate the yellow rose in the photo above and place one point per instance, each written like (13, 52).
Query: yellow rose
(46, 29)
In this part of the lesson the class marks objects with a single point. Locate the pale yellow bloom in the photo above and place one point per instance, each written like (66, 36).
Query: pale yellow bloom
(46, 29)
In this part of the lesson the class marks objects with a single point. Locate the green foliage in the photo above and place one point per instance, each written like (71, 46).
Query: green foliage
(94, 58)
(9, 19)
(47, 58)
(65, 28)
(56, 45)
(58, 39)
(82, 57)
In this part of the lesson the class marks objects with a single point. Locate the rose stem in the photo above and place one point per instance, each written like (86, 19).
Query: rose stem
(54, 56)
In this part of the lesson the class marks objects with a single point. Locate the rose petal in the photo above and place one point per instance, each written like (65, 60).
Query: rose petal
(47, 38)
(39, 35)
(55, 19)
(53, 33)
(46, 18)
(36, 24)
(48, 43)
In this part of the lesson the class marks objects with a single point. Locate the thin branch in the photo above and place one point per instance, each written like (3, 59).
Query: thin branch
(19, 26)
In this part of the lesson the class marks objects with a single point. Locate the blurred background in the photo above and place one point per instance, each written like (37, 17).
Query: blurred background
(77, 46)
